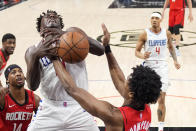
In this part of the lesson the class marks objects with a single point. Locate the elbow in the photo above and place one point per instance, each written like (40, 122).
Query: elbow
(98, 51)
(33, 85)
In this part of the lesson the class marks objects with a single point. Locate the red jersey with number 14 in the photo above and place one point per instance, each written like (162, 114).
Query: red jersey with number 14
(136, 120)
(17, 117)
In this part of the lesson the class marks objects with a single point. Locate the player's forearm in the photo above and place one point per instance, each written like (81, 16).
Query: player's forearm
(64, 76)
(173, 53)
(139, 54)
(33, 76)
(33, 72)
(95, 47)
(86, 100)
(116, 73)
(166, 4)
(189, 2)
(71, 88)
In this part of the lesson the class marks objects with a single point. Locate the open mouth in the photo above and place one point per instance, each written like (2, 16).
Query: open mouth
(10, 49)
(19, 80)
(51, 21)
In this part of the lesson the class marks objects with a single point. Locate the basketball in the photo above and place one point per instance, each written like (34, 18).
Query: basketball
(73, 45)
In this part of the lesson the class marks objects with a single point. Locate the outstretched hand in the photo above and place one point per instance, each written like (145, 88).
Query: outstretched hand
(48, 47)
(106, 37)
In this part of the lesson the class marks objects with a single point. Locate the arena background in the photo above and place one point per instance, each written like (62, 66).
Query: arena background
(140, 3)
(19, 18)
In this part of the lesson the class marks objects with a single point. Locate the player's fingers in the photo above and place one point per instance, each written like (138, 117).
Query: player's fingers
(105, 30)
(48, 43)
(50, 33)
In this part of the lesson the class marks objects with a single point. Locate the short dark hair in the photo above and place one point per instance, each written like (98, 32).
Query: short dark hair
(8, 36)
(43, 14)
(145, 84)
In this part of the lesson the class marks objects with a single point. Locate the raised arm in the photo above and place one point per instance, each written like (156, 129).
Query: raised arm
(33, 68)
(101, 109)
(116, 73)
(172, 50)
(95, 47)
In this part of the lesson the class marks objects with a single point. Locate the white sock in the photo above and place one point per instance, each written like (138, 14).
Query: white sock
(160, 126)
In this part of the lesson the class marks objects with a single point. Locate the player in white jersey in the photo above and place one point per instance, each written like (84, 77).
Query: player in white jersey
(156, 40)
(58, 111)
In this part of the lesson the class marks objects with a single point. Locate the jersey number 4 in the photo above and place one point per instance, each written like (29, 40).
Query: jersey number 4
(17, 128)
(158, 50)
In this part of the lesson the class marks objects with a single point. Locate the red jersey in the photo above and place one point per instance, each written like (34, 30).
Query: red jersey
(4, 62)
(177, 4)
(15, 116)
(136, 120)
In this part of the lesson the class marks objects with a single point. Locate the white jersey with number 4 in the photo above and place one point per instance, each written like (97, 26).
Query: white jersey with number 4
(156, 44)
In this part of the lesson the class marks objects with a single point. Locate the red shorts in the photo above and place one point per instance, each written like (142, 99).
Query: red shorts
(176, 17)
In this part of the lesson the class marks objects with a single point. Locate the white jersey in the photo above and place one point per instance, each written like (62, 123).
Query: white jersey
(51, 87)
(156, 44)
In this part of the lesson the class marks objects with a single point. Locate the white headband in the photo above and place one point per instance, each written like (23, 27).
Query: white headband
(155, 14)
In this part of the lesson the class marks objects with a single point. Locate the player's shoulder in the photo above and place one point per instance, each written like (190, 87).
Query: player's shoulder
(143, 35)
(30, 50)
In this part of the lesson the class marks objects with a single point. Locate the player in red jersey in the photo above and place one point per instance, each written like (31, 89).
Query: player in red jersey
(18, 104)
(141, 88)
(8, 46)
(176, 17)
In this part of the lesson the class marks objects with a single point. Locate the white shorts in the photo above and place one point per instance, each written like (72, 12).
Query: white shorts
(161, 68)
(62, 116)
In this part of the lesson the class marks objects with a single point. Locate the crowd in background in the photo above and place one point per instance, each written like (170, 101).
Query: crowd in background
(8, 3)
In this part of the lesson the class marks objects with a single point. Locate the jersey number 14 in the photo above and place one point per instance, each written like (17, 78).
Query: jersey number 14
(17, 128)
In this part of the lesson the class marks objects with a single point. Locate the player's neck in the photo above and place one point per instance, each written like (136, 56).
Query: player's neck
(137, 106)
(155, 30)
(18, 94)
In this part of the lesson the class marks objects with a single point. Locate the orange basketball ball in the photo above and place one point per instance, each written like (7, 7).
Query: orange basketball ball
(73, 45)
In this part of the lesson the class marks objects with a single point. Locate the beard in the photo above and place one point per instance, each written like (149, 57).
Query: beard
(18, 86)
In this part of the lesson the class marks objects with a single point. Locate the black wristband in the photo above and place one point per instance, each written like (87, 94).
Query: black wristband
(107, 49)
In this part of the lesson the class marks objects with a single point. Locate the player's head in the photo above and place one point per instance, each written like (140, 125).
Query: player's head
(9, 43)
(156, 19)
(14, 76)
(144, 84)
(50, 19)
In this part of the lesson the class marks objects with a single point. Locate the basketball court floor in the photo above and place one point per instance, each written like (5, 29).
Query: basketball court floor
(124, 25)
